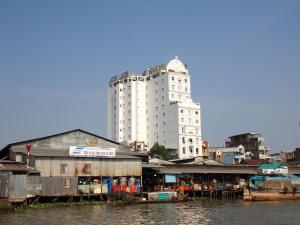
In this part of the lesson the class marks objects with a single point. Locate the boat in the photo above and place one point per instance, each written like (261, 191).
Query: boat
(273, 188)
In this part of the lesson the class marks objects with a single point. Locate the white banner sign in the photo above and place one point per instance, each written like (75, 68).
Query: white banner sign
(82, 151)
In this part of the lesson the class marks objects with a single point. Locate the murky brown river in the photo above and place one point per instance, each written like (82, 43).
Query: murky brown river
(208, 212)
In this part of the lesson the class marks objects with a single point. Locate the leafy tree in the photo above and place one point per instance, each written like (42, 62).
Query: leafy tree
(159, 151)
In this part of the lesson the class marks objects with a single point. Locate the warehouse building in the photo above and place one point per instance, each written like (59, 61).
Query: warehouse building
(77, 162)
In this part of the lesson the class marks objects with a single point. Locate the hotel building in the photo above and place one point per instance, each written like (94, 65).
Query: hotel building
(155, 107)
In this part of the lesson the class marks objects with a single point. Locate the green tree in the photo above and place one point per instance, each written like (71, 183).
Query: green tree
(159, 151)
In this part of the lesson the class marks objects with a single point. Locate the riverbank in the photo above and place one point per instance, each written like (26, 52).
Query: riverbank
(204, 212)
(23, 207)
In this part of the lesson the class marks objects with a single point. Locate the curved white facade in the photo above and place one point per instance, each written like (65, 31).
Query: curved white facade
(155, 107)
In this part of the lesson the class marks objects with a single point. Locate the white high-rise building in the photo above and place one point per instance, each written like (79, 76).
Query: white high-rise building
(155, 107)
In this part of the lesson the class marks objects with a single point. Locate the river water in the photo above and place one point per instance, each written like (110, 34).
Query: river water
(200, 212)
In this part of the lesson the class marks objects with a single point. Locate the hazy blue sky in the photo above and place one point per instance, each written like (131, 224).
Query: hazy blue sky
(56, 58)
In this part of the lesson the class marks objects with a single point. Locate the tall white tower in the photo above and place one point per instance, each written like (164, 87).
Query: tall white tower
(155, 107)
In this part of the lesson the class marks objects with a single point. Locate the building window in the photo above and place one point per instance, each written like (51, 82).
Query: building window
(173, 87)
(172, 78)
(197, 151)
(183, 140)
(67, 182)
(181, 110)
(191, 149)
(190, 140)
(185, 80)
(186, 89)
(197, 121)
(196, 112)
(183, 150)
(182, 119)
(63, 168)
(87, 168)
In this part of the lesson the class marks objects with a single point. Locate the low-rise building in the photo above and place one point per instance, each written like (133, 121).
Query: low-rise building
(233, 155)
(291, 157)
(78, 162)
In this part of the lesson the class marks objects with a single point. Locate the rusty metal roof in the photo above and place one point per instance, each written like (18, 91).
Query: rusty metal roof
(6, 165)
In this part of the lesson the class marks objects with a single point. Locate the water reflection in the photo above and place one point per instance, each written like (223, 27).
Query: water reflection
(206, 213)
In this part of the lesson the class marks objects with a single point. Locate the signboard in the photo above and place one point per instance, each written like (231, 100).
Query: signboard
(281, 170)
(83, 151)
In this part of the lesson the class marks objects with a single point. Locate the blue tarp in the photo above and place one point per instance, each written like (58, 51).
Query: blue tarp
(170, 178)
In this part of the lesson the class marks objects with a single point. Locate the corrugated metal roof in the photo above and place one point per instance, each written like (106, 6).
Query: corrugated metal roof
(6, 165)
(206, 162)
(196, 168)
(151, 166)
(159, 161)
(4, 151)
(64, 153)
(12, 166)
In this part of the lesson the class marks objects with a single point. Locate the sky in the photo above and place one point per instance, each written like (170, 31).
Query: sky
(56, 58)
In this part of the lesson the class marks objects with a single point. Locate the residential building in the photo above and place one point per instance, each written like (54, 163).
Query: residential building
(155, 107)
(232, 155)
(291, 157)
(253, 144)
